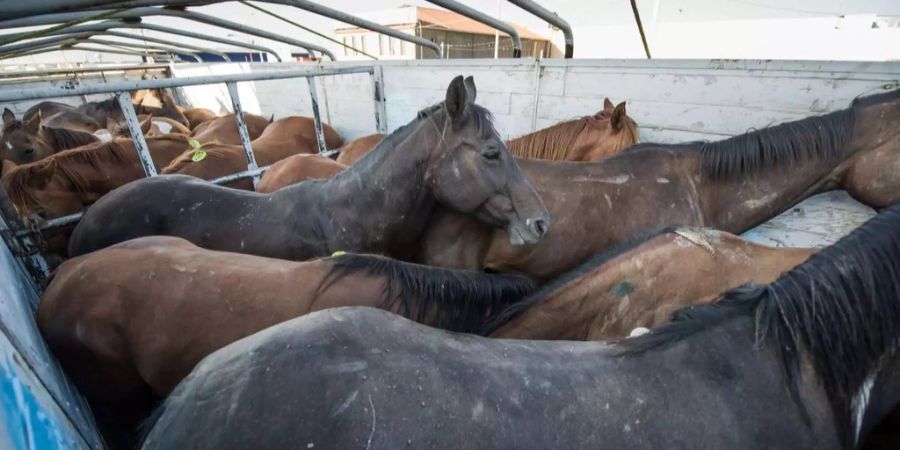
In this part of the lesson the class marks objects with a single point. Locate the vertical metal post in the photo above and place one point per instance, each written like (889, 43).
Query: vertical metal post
(242, 128)
(314, 98)
(20, 239)
(137, 137)
(538, 74)
(378, 90)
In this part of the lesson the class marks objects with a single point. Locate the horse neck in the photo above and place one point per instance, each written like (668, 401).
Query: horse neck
(552, 143)
(388, 186)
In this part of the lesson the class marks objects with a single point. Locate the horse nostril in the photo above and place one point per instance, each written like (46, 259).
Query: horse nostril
(540, 226)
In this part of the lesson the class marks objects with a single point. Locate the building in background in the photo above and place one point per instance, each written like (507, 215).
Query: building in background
(458, 36)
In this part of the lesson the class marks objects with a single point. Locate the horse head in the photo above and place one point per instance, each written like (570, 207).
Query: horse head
(472, 171)
(23, 142)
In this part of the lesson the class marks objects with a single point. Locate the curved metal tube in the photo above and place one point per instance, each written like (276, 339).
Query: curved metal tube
(164, 48)
(476, 15)
(148, 11)
(552, 18)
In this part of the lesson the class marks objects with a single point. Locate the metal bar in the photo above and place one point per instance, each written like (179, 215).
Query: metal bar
(13, 9)
(81, 70)
(255, 173)
(478, 16)
(553, 19)
(133, 85)
(148, 11)
(111, 24)
(317, 120)
(156, 40)
(86, 48)
(378, 92)
(127, 45)
(65, 24)
(24, 242)
(40, 43)
(307, 29)
(637, 19)
(242, 128)
(538, 74)
(124, 98)
(359, 22)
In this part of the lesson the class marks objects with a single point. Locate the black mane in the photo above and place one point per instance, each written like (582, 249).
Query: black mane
(65, 138)
(455, 300)
(841, 308)
(518, 308)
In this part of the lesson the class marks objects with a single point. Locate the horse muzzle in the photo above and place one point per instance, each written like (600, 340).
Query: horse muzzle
(529, 231)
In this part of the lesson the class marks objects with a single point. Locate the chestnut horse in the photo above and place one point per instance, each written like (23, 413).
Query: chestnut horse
(224, 130)
(806, 362)
(109, 109)
(297, 168)
(70, 180)
(29, 141)
(150, 127)
(730, 185)
(196, 116)
(641, 283)
(126, 338)
(450, 155)
(586, 139)
(283, 138)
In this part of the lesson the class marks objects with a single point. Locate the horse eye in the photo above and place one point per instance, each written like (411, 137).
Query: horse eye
(491, 155)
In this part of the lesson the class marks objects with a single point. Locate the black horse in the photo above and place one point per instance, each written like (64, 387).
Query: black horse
(808, 362)
(451, 155)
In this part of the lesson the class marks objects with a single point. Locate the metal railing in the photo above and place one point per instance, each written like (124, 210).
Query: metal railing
(122, 90)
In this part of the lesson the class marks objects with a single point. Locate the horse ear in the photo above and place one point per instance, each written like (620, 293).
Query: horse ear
(33, 125)
(607, 105)
(39, 174)
(456, 98)
(8, 115)
(146, 124)
(471, 92)
(617, 120)
(272, 118)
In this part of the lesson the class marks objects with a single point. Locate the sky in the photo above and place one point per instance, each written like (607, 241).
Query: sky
(777, 29)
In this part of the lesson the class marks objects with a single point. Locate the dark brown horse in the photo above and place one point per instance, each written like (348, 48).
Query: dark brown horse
(809, 361)
(730, 185)
(297, 168)
(47, 109)
(28, 141)
(126, 337)
(281, 139)
(641, 283)
(106, 110)
(586, 139)
(450, 155)
(70, 180)
(223, 129)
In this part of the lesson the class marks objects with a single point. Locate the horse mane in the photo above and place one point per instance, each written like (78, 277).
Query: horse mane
(456, 300)
(539, 296)
(18, 181)
(840, 307)
(554, 142)
(67, 138)
(875, 99)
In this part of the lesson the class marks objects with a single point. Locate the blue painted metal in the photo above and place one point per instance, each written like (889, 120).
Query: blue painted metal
(39, 408)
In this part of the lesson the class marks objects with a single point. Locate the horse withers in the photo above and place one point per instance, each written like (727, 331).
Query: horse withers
(450, 155)
(806, 362)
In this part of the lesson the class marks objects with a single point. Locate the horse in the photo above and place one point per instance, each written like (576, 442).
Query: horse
(297, 168)
(808, 361)
(47, 109)
(68, 181)
(223, 129)
(105, 110)
(586, 139)
(283, 138)
(637, 285)
(29, 141)
(150, 127)
(358, 148)
(730, 185)
(450, 155)
(196, 116)
(126, 338)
